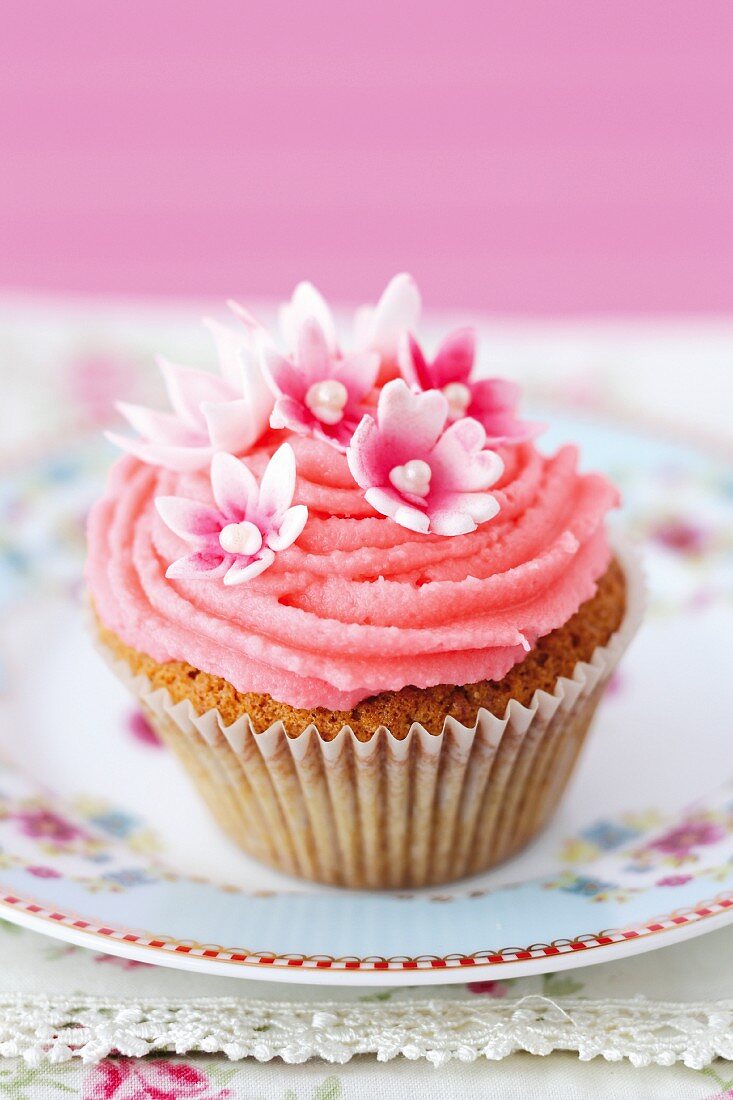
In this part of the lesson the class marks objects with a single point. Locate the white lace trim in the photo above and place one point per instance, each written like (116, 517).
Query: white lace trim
(645, 1032)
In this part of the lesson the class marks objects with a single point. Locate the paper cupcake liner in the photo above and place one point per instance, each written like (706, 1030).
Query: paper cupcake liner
(390, 812)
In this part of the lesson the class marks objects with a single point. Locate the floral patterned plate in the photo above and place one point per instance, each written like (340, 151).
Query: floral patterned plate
(103, 843)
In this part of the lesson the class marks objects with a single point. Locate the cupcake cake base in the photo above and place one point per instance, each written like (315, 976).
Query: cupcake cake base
(411, 788)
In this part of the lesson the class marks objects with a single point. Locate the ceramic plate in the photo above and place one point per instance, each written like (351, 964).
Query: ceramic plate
(103, 842)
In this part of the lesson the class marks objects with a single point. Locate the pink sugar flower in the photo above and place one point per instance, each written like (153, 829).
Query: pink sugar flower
(376, 328)
(422, 472)
(238, 538)
(319, 392)
(491, 401)
(225, 412)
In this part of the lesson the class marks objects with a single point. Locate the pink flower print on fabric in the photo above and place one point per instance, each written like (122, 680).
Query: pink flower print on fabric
(148, 1079)
(489, 988)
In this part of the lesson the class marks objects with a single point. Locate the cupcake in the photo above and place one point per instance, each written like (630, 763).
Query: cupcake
(367, 613)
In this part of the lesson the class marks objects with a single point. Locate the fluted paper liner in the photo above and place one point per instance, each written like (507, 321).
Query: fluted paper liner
(390, 812)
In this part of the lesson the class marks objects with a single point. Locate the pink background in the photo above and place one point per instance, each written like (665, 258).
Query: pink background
(515, 156)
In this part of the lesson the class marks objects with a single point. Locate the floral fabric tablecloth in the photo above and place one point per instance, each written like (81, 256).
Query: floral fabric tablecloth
(653, 1025)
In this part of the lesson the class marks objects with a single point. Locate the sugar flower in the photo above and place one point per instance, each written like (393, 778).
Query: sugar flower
(421, 470)
(318, 391)
(224, 412)
(491, 401)
(238, 538)
(376, 328)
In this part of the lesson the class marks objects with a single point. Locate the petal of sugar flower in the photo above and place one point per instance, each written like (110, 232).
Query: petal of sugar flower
(248, 319)
(494, 394)
(240, 361)
(234, 486)
(454, 359)
(290, 413)
(503, 427)
(159, 427)
(357, 372)
(182, 459)
(238, 573)
(412, 363)
(189, 519)
(338, 436)
(451, 523)
(397, 310)
(480, 507)
(257, 392)
(413, 519)
(293, 521)
(363, 454)
(410, 422)
(391, 504)
(459, 461)
(362, 329)
(277, 484)
(231, 425)
(228, 347)
(483, 471)
(188, 387)
(313, 356)
(283, 377)
(466, 435)
(493, 402)
(307, 302)
(209, 564)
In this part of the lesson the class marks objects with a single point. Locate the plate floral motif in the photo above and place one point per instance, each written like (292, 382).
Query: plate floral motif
(695, 848)
(79, 843)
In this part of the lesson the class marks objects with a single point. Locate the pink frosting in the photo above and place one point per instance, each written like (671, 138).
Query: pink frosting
(359, 604)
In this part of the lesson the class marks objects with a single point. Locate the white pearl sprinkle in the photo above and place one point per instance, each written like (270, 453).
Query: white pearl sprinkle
(413, 477)
(458, 397)
(241, 538)
(327, 399)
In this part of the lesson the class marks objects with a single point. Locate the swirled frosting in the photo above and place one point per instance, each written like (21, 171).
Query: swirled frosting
(358, 605)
